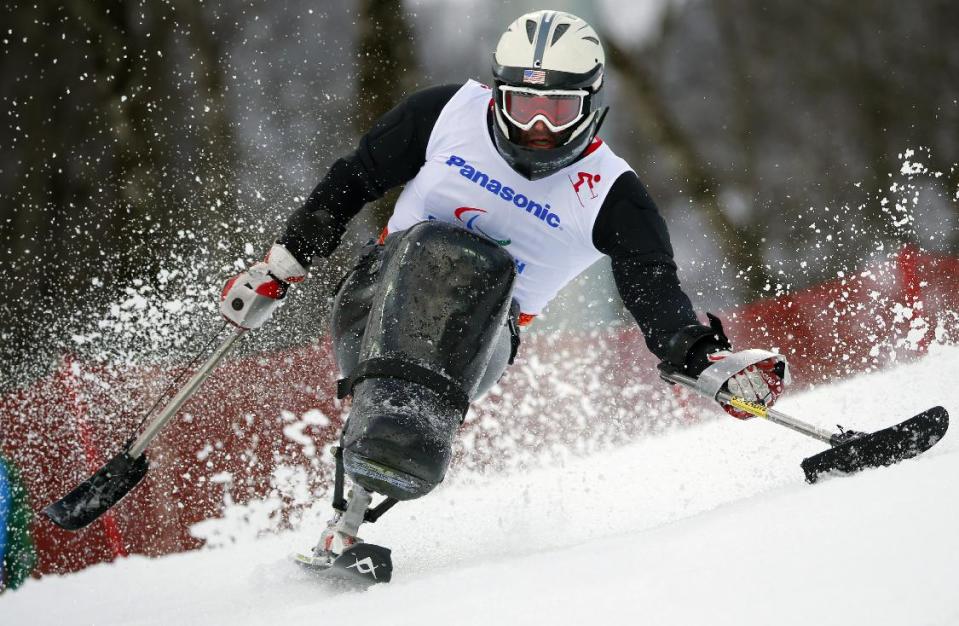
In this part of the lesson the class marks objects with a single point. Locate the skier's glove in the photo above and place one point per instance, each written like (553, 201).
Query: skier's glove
(249, 298)
(704, 353)
(762, 381)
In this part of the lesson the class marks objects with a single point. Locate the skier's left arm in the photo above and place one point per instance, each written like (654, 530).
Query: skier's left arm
(630, 230)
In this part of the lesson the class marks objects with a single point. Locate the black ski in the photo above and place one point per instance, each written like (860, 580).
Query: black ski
(360, 566)
(883, 447)
(91, 498)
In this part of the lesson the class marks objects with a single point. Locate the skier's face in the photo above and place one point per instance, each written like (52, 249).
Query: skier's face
(539, 137)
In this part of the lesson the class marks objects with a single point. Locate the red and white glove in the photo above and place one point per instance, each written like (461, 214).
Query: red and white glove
(762, 382)
(249, 298)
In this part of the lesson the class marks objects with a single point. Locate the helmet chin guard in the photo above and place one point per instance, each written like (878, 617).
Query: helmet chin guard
(548, 51)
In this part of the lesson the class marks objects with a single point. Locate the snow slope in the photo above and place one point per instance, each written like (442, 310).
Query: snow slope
(706, 525)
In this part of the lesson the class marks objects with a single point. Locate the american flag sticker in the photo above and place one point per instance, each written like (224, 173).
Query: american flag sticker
(534, 77)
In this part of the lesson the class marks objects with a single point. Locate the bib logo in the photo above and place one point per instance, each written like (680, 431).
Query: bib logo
(587, 179)
(469, 215)
(508, 194)
(520, 265)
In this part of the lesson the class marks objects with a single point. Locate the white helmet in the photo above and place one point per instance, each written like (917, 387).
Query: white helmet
(548, 66)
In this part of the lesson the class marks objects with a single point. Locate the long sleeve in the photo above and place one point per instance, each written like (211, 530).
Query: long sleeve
(630, 230)
(389, 155)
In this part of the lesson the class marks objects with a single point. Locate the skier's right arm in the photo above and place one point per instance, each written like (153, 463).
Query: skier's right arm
(389, 155)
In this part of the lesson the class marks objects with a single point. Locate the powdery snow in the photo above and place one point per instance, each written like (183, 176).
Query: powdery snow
(706, 525)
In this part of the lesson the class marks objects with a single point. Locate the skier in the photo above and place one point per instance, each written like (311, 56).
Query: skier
(509, 194)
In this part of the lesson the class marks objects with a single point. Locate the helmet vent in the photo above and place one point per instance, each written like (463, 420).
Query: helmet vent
(530, 30)
(562, 28)
(593, 39)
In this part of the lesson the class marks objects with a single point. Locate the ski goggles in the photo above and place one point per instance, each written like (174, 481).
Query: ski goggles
(557, 108)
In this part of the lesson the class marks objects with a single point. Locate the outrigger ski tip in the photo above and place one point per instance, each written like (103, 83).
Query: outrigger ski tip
(109, 484)
(883, 447)
(91, 498)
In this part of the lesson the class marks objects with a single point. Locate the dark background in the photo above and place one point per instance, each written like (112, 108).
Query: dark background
(152, 148)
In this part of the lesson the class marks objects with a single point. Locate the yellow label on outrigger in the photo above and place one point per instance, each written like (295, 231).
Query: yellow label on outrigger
(753, 408)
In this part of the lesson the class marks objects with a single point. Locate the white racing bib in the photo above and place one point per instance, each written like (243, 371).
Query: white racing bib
(546, 224)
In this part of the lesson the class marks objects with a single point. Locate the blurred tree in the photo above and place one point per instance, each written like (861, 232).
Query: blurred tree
(384, 70)
(786, 123)
(387, 71)
(118, 142)
(741, 243)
